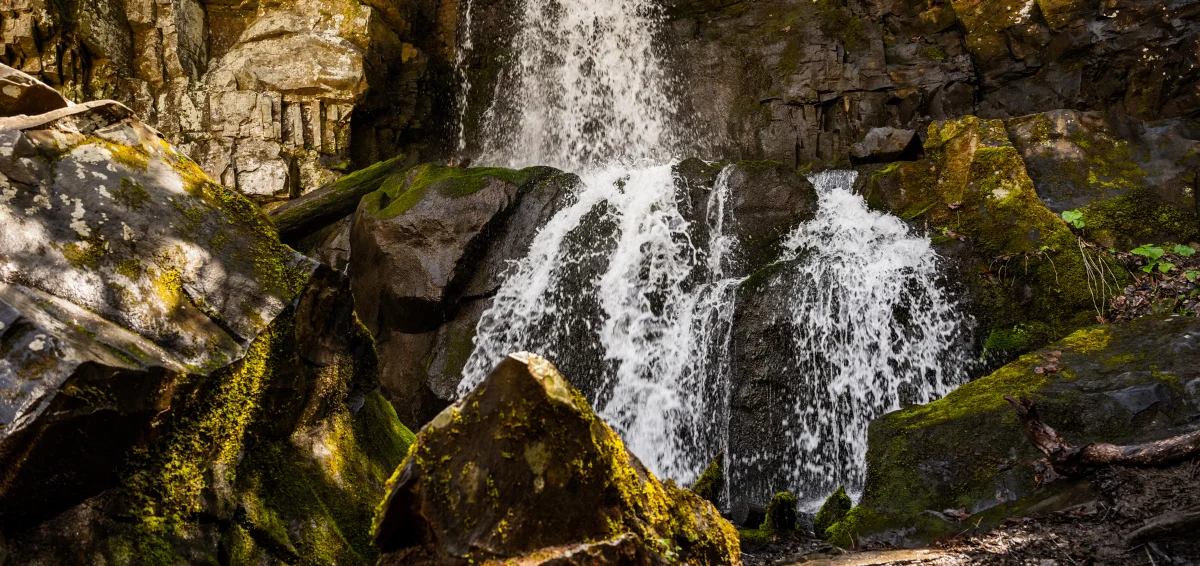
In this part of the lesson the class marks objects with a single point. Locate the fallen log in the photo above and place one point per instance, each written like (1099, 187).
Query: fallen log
(1071, 460)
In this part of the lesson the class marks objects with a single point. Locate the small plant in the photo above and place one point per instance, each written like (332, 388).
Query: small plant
(1153, 255)
(1185, 251)
(1074, 218)
(1192, 275)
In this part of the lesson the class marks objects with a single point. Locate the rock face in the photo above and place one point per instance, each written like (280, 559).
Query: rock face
(521, 469)
(799, 82)
(1020, 263)
(175, 382)
(272, 98)
(1125, 384)
(426, 251)
(1133, 181)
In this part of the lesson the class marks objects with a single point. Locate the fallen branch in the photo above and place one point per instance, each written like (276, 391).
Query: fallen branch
(1169, 524)
(1071, 460)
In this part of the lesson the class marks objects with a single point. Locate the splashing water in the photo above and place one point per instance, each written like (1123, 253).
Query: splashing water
(615, 292)
(872, 331)
(587, 88)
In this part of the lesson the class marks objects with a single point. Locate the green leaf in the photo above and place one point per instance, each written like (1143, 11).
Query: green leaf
(1166, 266)
(1152, 252)
(1148, 268)
(1074, 218)
(1192, 275)
(1185, 251)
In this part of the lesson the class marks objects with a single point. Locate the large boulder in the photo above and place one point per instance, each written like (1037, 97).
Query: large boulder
(23, 94)
(174, 382)
(964, 462)
(1025, 272)
(424, 248)
(522, 470)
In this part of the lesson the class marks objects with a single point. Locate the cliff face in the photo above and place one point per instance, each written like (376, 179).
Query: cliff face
(272, 98)
(800, 82)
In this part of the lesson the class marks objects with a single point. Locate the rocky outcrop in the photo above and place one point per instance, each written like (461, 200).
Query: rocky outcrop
(272, 98)
(175, 382)
(1134, 182)
(799, 82)
(426, 251)
(932, 469)
(522, 470)
(1026, 273)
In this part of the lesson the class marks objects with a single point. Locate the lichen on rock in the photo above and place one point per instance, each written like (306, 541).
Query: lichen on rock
(521, 469)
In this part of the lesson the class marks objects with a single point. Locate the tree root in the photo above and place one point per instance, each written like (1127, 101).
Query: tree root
(1071, 460)
(1068, 460)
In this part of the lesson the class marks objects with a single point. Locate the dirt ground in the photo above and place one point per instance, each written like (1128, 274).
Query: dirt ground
(1091, 534)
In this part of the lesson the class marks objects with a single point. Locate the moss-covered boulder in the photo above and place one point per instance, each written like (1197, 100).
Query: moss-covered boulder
(1133, 182)
(934, 470)
(427, 250)
(176, 385)
(1023, 268)
(522, 470)
(711, 483)
(833, 510)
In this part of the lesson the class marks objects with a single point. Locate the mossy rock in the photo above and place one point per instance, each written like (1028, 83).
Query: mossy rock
(832, 511)
(967, 452)
(781, 513)
(1023, 269)
(522, 468)
(711, 483)
(1133, 182)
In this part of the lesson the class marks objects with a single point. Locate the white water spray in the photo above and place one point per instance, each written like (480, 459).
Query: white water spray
(872, 330)
(587, 88)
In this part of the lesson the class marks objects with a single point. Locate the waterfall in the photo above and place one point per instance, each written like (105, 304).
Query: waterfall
(634, 297)
(872, 330)
(587, 88)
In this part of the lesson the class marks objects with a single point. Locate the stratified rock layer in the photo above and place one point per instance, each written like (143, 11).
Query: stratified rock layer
(522, 470)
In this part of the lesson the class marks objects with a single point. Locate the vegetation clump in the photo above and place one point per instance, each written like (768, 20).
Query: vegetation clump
(835, 509)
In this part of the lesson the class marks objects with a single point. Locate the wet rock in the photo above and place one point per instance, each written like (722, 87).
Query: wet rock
(883, 145)
(1122, 383)
(166, 357)
(521, 469)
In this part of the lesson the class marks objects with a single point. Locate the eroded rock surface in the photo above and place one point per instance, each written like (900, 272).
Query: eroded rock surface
(264, 95)
(522, 470)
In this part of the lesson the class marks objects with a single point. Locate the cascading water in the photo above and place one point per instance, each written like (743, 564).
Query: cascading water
(634, 298)
(872, 330)
(587, 88)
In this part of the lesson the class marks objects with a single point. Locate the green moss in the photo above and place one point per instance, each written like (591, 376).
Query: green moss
(399, 193)
(753, 537)
(711, 484)
(839, 23)
(1089, 340)
(935, 53)
(781, 513)
(1016, 379)
(131, 194)
(832, 511)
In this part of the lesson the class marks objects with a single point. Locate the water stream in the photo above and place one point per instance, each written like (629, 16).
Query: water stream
(638, 311)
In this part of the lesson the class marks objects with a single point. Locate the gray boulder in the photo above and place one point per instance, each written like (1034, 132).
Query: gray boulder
(884, 145)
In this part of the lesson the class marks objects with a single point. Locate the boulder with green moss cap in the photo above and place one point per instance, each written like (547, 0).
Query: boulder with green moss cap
(963, 461)
(833, 510)
(522, 470)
